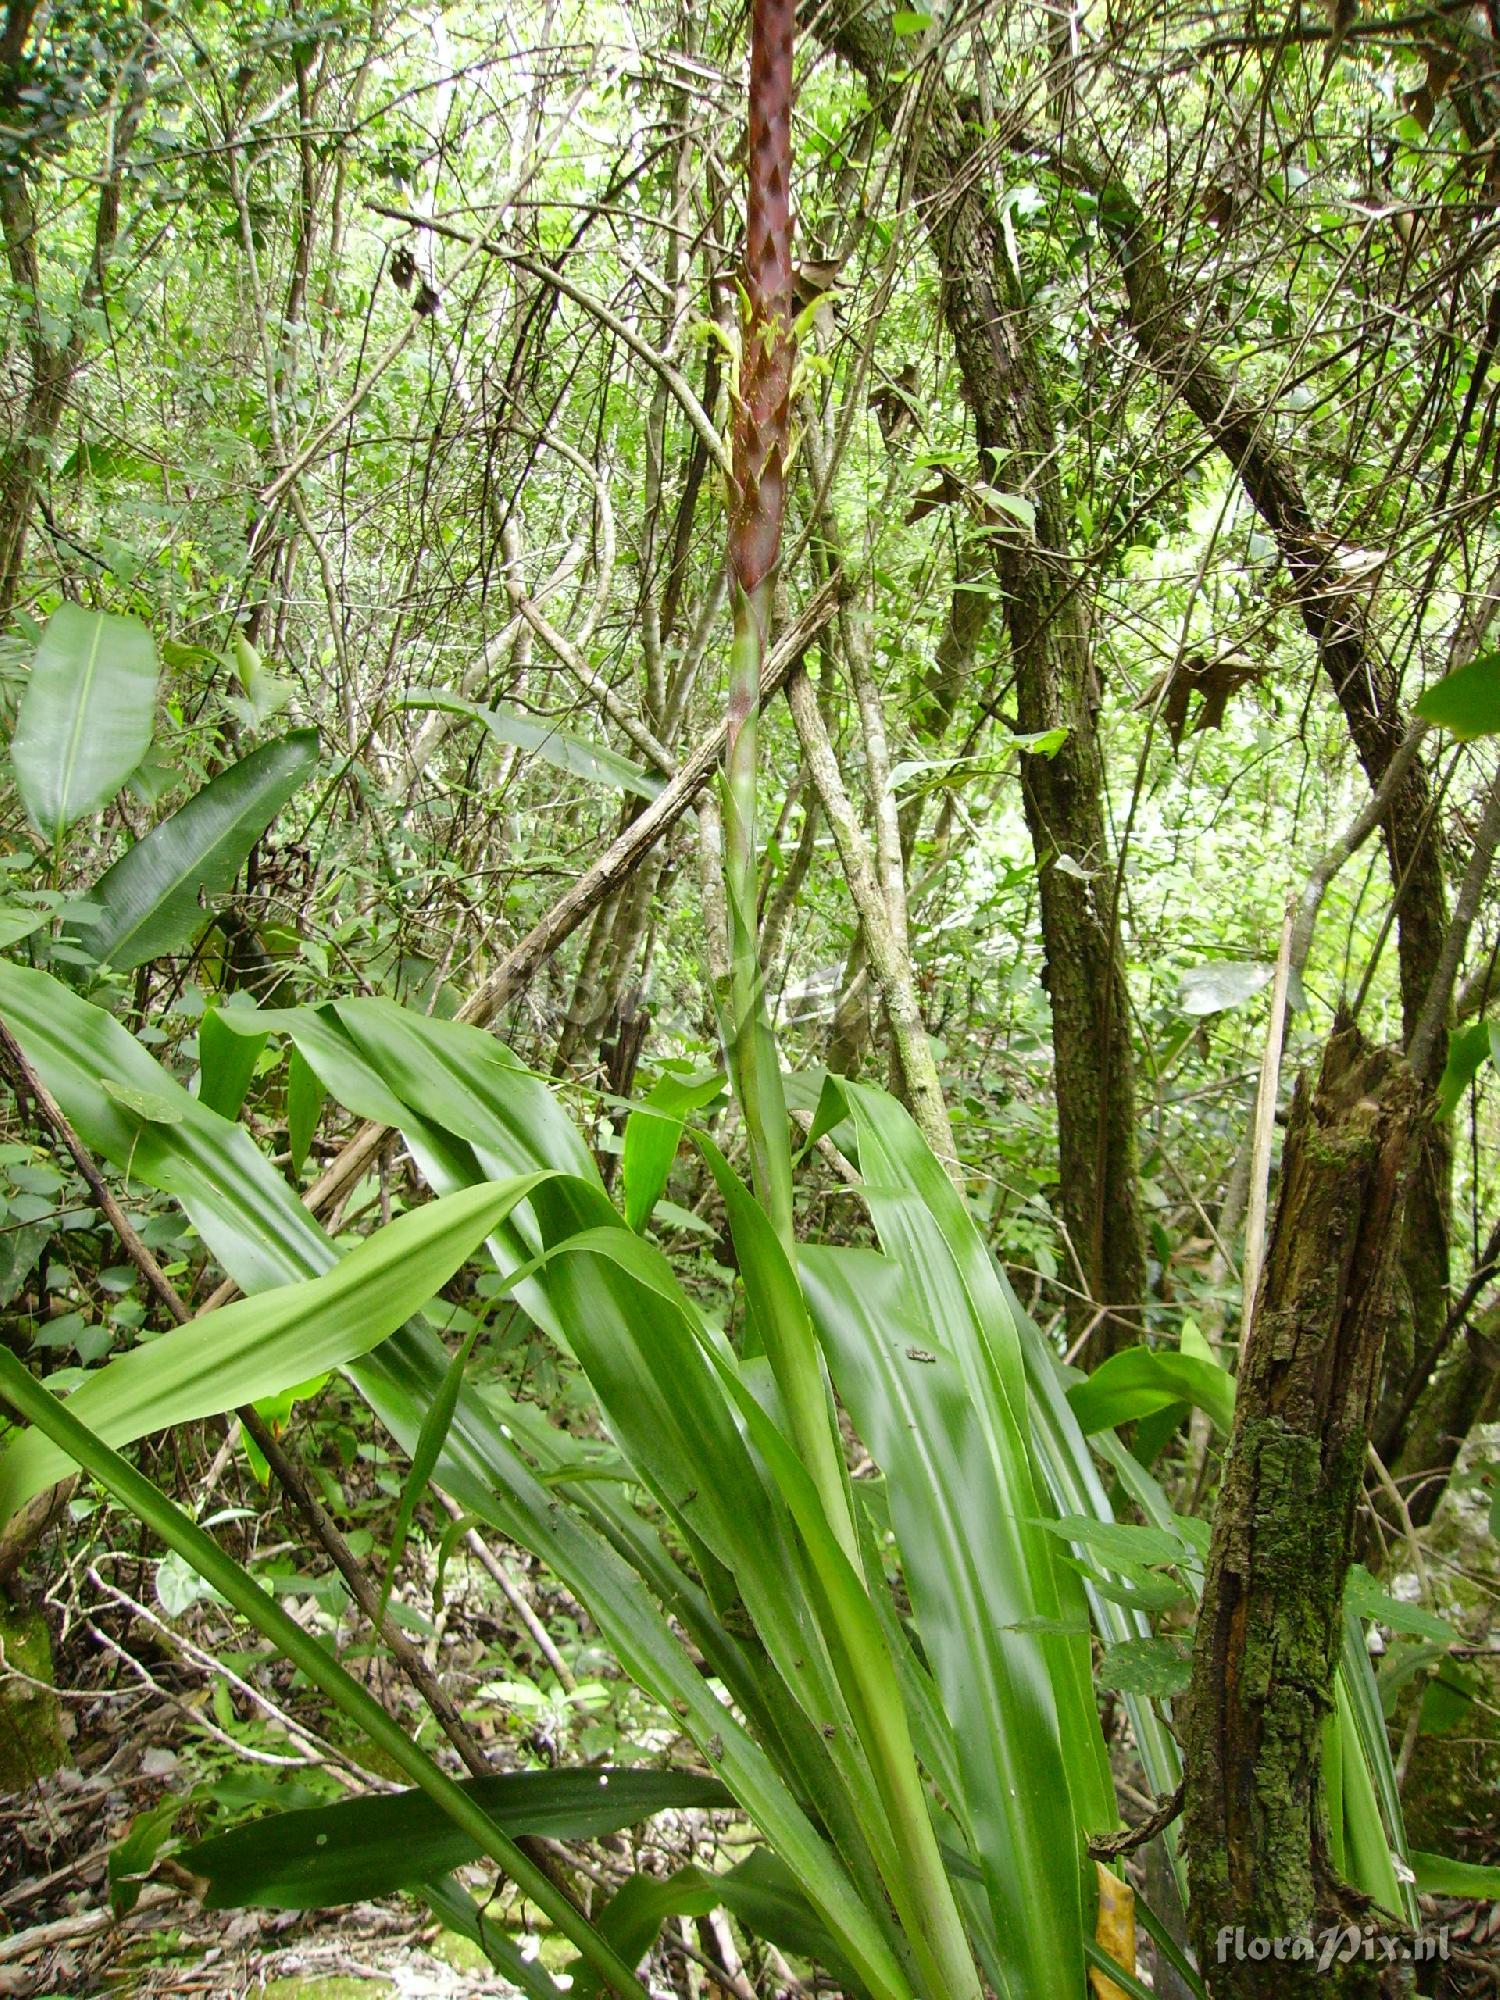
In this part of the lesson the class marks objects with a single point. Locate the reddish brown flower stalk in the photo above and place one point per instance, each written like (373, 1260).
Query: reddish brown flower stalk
(757, 500)
(763, 410)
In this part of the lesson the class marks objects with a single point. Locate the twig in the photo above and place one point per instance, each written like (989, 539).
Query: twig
(1110, 1846)
(317, 1749)
(1423, 1365)
(1397, 1499)
(272, 493)
(69, 1930)
(653, 751)
(921, 1086)
(681, 389)
(189, 1711)
(514, 1596)
(1265, 1121)
(1351, 840)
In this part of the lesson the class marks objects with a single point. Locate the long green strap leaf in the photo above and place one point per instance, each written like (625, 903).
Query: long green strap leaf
(982, 1629)
(955, 1290)
(916, 1884)
(259, 1346)
(604, 1552)
(151, 1506)
(425, 1454)
(359, 1848)
(457, 1911)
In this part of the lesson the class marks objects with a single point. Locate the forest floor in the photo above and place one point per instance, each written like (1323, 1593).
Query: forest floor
(66, 1941)
(146, 1741)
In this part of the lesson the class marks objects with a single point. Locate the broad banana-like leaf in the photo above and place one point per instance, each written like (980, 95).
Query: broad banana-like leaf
(86, 717)
(154, 899)
(314, 1858)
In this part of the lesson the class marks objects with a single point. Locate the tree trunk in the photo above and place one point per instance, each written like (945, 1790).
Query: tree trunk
(1063, 795)
(1463, 1392)
(1270, 1625)
(53, 359)
(1335, 615)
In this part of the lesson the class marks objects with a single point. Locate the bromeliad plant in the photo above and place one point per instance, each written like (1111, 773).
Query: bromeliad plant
(717, 1575)
(863, 1746)
(924, 1780)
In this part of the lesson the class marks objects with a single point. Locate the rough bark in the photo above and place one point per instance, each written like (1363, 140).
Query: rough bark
(1462, 1392)
(52, 361)
(1270, 1624)
(1004, 381)
(1335, 614)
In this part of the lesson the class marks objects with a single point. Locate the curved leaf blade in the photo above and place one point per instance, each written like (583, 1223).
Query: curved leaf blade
(233, 1581)
(1467, 701)
(565, 749)
(652, 1133)
(360, 1848)
(259, 1346)
(1440, 1875)
(760, 1890)
(1138, 1380)
(153, 899)
(86, 717)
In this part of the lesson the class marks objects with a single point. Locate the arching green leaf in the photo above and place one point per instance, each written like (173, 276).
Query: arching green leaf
(155, 897)
(86, 716)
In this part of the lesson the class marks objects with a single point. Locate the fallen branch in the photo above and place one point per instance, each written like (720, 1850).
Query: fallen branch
(71, 1930)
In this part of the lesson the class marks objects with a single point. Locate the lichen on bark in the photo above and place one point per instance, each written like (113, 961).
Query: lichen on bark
(1270, 1626)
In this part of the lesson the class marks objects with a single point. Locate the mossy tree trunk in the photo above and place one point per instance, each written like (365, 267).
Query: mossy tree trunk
(1366, 685)
(52, 358)
(1270, 1626)
(1005, 382)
